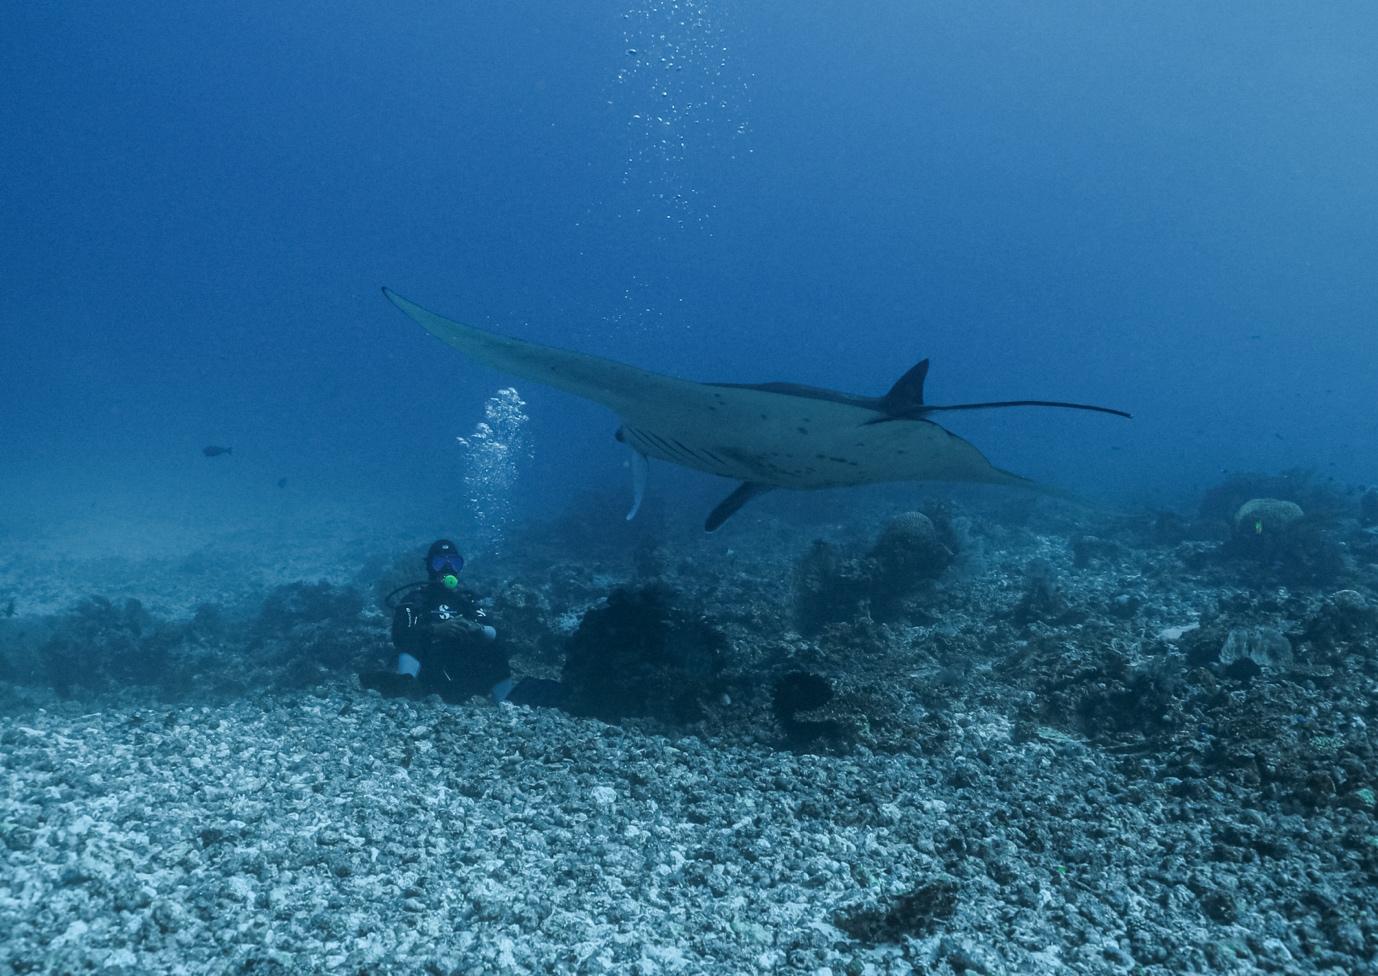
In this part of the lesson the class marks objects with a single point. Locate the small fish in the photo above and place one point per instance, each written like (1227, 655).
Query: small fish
(282, 482)
(214, 450)
(9, 608)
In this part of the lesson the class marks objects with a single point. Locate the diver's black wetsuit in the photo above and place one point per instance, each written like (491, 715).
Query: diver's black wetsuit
(454, 667)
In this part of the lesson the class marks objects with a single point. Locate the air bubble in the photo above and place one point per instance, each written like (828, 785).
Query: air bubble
(492, 465)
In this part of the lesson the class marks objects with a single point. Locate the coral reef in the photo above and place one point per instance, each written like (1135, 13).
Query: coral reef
(832, 586)
(103, 644)
(1280, 539)
(800, 691)
(1260, 646)
(643, 655)
(1136, 741)
(1265, 517)
(301, 634)
(1299, 486)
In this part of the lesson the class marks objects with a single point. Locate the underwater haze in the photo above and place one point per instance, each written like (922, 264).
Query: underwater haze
(329, 647)
(1170, 209)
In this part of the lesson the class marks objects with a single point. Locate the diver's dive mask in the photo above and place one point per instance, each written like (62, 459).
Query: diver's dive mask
(446, 562)
(445, 568)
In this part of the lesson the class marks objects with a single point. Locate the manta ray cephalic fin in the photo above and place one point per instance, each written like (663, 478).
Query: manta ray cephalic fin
(726, 508)
(640, 471)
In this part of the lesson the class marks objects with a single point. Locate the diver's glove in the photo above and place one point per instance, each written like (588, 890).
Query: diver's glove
(463, 627)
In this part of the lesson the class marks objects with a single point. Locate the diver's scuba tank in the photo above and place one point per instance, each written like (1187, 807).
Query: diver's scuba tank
(394, 599)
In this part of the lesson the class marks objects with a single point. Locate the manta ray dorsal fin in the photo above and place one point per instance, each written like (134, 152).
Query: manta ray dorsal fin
(907, 393)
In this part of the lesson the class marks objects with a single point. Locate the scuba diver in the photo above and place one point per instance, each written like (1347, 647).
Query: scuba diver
(445, 644)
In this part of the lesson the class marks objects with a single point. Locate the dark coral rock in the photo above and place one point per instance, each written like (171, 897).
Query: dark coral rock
(303, 632)
(1260, 518)
(832, 587)
(1286, 525)
(1138, 701)
(912, 915)
(1201, 645)
(1261, 646)
(800, 691)
(1042, 599)
(529, 622)
(829, 588)
(1109, 696)
(1087, 550)
(1285, 544)
(910, 551)
(1166, 528)
(642, 655)
(1344, 618)
(1297, 485)
(1368, 508)
(290, 606)
(103, 643)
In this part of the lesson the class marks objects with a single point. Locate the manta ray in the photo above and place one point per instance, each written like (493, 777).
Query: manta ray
(763, 435)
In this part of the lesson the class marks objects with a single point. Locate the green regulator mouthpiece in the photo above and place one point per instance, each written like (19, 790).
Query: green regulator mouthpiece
(450, 581)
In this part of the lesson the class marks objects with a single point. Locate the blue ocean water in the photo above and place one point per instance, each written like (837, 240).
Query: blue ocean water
(1168, 208)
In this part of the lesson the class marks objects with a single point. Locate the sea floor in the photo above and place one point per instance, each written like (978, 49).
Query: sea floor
(1079, 742)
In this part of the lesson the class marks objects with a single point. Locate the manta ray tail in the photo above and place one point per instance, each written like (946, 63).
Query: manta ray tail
(918, 412)
(1063, 404)
(904, 401)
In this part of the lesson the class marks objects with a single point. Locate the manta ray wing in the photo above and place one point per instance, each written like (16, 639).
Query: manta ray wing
(618, 386)
(774, 435)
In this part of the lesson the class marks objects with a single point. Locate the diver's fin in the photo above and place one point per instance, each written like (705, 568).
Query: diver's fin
(640, 469)
(744, 492)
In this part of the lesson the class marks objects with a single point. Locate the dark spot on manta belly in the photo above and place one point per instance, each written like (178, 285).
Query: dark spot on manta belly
(803, 430)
